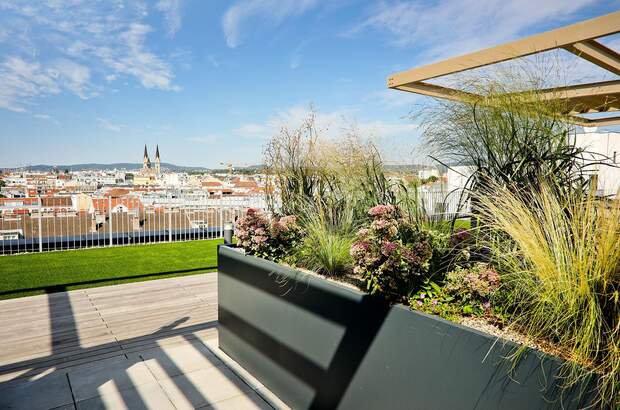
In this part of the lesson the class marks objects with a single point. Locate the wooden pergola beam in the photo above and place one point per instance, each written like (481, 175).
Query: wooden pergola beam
(593, 122)
(579, 38)
(561, 37)
(598, 54)
(433, 90)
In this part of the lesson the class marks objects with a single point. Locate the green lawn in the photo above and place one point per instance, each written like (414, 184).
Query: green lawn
(33, 274)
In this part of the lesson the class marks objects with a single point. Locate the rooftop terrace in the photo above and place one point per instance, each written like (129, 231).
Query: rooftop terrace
(140, 345)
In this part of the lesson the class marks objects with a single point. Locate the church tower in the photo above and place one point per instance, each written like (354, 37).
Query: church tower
(157, 161)
(146, 162)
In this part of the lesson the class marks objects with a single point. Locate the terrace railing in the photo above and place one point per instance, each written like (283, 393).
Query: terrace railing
(61, 223)
(41, 224)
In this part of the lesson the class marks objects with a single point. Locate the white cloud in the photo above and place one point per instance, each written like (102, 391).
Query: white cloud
(78, 46)
(73, 76)
(296, 56)
(172, 14)
(207, 139)
(393, 98)
(213, 60)
(454, 27)
(109, 125)
(333, 124)
(46, 117)
(21, 80)
(272, 11)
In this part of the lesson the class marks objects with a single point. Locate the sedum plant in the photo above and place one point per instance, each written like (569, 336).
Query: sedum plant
(391, 254)
(267, 238)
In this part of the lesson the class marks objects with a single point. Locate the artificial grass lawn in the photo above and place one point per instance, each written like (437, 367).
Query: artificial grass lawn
(38, 273)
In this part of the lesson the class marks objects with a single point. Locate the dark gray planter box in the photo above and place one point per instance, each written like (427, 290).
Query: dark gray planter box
(317, 344)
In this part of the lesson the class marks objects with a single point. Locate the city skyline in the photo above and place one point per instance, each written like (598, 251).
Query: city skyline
(211, 81)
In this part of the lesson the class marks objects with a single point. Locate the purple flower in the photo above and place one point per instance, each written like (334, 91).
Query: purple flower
(420, 303)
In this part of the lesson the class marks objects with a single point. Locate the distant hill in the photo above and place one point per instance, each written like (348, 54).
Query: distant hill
(108, 167)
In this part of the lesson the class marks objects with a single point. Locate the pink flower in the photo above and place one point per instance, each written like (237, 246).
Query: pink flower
(259, 239)
(358, 249)
(388, 248)
(381, 210)
(288, 220)
(420, 303)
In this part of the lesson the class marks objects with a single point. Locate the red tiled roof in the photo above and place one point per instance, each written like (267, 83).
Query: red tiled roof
(116, 192)
(211, 183)
(102, 204)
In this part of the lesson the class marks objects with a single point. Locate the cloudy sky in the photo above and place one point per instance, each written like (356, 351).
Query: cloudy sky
(211, 80)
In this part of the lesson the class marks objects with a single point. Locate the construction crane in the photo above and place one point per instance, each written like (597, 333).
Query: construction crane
(229, 166)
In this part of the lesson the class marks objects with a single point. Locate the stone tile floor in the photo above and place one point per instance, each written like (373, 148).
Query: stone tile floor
(148, 345)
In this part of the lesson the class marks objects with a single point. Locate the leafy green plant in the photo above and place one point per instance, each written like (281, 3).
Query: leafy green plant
(473, 288)
(464, 292)
(559, 253)
(432, 298)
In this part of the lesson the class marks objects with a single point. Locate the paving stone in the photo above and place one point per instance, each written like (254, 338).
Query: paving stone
(148, 396)
(95, 381)
(166, 362)
(48, 392)
(204, 387)
(244, 402)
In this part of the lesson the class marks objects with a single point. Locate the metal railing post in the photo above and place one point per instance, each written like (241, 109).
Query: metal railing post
(40, 226)
(110, 217)
(170, 225)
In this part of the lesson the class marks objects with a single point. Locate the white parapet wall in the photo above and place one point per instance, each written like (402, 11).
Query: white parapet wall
(603, 152)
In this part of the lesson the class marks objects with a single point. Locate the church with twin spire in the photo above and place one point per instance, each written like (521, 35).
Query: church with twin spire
(147, 166)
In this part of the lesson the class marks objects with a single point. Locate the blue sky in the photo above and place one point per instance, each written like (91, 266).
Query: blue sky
(210, 81)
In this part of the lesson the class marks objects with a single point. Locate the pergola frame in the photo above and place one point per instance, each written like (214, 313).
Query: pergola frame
(579, 39)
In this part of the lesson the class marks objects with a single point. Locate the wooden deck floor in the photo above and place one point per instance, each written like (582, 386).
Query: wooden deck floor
(119, 347)
(51, 332)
